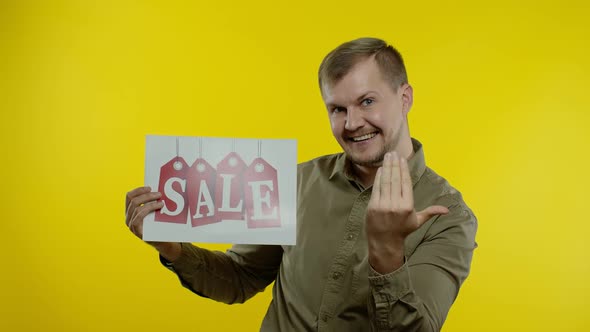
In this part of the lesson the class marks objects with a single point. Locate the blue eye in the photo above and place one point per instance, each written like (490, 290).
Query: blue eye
(367, 101)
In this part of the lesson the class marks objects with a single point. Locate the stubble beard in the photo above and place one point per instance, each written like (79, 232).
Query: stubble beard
(377, 159)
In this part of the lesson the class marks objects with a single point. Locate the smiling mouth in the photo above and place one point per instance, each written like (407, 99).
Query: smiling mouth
(363, 137)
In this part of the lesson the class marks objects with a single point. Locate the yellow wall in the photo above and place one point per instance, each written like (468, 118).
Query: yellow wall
(501, 105)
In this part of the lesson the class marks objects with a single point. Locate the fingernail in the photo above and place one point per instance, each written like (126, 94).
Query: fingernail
(394, 154)
(158, 193)
(387, 156)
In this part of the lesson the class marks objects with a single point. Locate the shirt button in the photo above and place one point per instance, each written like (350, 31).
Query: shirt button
(350, 236)
(336, 275)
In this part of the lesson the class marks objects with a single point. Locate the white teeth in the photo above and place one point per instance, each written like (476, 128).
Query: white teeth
(364, 137)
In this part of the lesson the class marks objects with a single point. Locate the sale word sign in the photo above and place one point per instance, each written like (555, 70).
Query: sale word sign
(222, 190)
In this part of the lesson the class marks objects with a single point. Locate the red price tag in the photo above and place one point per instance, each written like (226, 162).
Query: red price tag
(229, 188)
(261, 195)
(200, 183)
(172, 186)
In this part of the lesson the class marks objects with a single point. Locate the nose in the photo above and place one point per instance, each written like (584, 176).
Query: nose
(354, 119)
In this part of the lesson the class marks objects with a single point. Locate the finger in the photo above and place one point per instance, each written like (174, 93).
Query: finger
(385, 183)
(396, 190)
(375, 193)
(133, 216)
(407, 193)
(134, 193)
(138, 201)
(142, 212)
(430, 212)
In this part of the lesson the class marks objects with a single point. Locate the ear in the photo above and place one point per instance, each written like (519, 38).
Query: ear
(406, 93)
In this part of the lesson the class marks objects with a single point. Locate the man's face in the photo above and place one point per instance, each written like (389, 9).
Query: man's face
(367, 116)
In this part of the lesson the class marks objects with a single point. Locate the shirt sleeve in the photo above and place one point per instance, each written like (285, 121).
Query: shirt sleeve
(418, 295)
(230, 277)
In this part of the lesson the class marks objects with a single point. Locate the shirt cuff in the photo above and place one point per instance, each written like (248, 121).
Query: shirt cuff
(189, 257)
(391, 286)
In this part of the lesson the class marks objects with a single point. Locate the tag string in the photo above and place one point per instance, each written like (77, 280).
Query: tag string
(259, 149)
(200, 147)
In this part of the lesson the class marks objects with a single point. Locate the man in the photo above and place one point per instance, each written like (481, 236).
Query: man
(365, 259)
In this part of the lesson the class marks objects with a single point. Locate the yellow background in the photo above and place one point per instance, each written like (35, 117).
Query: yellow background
(501, 106)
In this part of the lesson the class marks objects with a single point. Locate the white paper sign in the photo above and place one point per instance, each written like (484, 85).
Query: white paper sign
(222, 190)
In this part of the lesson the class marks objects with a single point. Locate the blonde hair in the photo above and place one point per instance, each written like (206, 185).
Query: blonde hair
(341, 60)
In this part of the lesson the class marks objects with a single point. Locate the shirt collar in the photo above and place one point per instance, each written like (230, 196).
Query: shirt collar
(416, 163)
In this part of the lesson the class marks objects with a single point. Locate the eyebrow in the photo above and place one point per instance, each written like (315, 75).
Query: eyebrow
(364, 95)
(361, 98)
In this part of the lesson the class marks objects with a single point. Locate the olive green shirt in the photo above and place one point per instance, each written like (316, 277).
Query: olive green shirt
(324, 283)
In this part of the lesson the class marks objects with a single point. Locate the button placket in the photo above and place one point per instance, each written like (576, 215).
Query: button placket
(333, 290)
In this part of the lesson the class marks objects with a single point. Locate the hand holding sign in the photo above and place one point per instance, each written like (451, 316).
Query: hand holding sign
(139, 202)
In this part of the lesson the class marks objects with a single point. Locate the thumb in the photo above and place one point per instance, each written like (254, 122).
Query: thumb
(430, 212)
